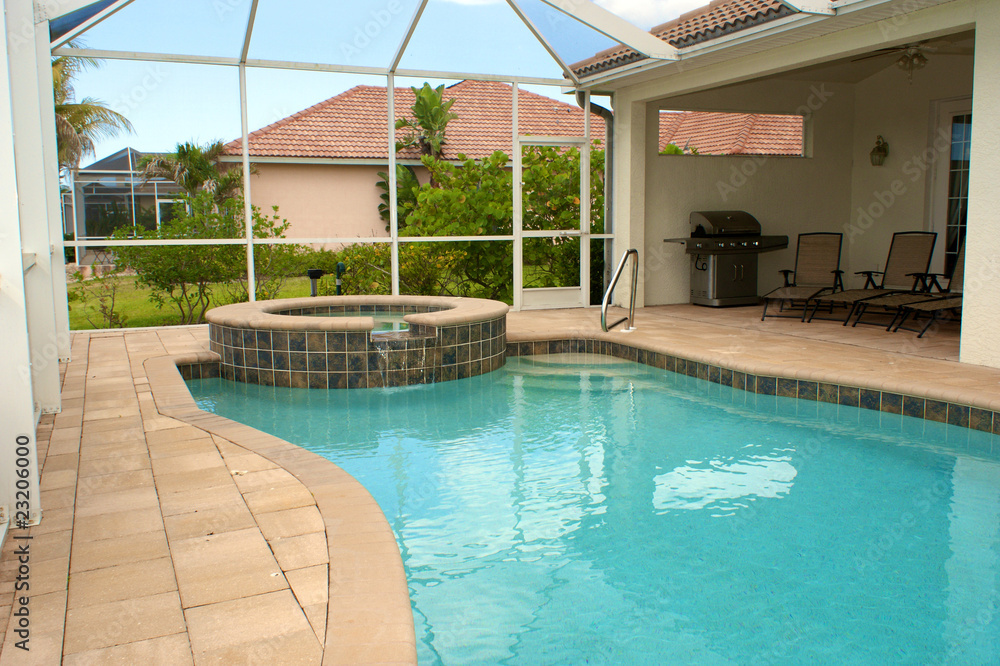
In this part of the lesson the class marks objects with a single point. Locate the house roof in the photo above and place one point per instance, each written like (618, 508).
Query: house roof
(718, 18)
(353, 124)
(714, 133)
(125, 159)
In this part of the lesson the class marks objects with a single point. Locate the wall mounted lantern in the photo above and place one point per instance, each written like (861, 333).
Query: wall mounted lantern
(879, 152)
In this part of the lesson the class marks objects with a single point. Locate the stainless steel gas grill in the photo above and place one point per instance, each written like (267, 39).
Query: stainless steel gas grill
(724, 245)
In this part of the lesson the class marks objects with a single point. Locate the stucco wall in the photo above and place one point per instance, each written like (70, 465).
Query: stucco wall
(980, 314)
(787, 195)
(894, 197)
(322, 200)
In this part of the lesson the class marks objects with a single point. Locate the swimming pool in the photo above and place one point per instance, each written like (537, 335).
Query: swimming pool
(559, 511)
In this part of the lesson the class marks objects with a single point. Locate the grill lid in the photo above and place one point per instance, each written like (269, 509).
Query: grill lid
(723, 223)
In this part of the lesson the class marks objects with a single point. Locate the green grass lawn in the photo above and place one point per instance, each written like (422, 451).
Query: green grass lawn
(133, 302)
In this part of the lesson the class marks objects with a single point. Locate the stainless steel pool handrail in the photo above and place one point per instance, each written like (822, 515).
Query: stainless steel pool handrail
(611, 288)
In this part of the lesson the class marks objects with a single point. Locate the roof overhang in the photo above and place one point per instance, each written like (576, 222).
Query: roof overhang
(615, 27)
(796, 28)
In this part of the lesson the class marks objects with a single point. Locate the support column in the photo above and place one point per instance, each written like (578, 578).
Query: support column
(32, 201)
(17, 410)
(980, 315)
(629, 200)
(53, 197)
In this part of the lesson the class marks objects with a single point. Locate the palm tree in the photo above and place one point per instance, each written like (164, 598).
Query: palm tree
(195, 168)
(80, 124)
(431, 113)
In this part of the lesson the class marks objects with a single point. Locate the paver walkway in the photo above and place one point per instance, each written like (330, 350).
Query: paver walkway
(162, 542)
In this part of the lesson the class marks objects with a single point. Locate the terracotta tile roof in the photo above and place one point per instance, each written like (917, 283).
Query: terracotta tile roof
(353, 124)
(718, 18)
(715, 133)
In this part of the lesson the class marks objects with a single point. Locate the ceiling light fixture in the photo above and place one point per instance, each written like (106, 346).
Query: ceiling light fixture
(911, 61)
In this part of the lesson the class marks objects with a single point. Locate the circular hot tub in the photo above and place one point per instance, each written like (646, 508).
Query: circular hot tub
(358, 341)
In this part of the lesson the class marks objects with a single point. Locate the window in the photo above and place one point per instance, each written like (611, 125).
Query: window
(719, 133)
(958, 188)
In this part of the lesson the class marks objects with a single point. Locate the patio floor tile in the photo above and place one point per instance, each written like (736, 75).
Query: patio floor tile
(245, 557)
(119, 622)
(112, 525)
(228, 517)
(125, 581)
(114, 481)
(268, 628)
(89, 555)
(289, 523)
(301, 551)
(172, 504)
(278, 498)
(173, 649)
(47, 612)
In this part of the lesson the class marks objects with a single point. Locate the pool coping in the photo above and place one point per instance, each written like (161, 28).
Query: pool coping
(262, 314)
(363, 555)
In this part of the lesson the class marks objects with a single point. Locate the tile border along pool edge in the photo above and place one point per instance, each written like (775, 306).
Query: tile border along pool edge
(362, 626)
(941, 411)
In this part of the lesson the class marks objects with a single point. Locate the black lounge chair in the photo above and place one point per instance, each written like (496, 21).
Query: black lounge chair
(929, 282)
(908, 259)
(817, 270)
(934, 307)
(946, 302)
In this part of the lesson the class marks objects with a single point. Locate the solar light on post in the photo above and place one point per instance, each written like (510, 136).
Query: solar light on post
(341, 268)
(314, 275)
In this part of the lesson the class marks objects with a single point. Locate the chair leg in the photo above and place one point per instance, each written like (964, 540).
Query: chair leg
(861, 313)
(764, 313)
(928, 325)
(806, 307)
(850, 313)
(904, 315)
(895, 316)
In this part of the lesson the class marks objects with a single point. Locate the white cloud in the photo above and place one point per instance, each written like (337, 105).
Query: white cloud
(649, 13)
(643, 13)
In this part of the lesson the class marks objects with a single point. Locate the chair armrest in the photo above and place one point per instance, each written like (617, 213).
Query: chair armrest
(928, 281)
(869, 280)
(838, 280)
(785, 273)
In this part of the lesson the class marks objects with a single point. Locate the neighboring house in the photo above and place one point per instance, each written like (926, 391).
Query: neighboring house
(320, 166)
(920, 73)
(111, 193)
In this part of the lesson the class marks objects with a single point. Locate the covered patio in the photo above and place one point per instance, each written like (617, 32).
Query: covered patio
(903, 72)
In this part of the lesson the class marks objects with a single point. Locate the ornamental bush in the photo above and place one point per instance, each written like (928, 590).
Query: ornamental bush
(187, 276)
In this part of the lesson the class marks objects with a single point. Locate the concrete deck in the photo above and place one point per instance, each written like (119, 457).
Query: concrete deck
(174, 536)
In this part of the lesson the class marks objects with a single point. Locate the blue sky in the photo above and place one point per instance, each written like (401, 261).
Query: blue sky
(172, 103)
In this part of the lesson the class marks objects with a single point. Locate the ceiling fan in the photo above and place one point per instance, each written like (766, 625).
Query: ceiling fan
(910, 56)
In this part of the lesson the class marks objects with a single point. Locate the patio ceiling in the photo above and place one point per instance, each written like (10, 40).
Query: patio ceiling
(398, 37)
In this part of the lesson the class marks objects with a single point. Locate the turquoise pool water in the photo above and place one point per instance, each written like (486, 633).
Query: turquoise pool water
(384, 322)
(579, 509)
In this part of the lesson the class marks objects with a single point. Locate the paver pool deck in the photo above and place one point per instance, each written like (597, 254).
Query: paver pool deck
(170, 535)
